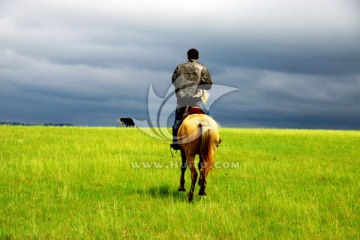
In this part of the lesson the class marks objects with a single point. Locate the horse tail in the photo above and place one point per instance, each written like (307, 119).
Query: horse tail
(205, 145)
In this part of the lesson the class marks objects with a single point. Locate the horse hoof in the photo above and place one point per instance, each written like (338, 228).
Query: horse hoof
(190, 198)
(181, 189)
(202, 193)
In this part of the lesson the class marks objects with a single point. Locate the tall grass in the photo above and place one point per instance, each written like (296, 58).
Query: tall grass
(81, 183)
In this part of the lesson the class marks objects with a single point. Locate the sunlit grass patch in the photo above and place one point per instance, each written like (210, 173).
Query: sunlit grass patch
(77, 183)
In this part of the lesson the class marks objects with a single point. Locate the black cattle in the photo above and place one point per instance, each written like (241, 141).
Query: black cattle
(128, 122)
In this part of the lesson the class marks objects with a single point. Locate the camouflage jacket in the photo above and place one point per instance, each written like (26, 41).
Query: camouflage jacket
(188, 79)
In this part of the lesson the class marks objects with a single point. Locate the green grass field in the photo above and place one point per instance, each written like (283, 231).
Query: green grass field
(114, 183)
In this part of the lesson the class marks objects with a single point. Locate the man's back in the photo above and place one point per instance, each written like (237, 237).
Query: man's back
(188, 78)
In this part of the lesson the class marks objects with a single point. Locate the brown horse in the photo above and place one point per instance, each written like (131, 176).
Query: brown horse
(197, 135)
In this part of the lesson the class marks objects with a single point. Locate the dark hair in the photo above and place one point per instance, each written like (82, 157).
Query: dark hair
(193, 54)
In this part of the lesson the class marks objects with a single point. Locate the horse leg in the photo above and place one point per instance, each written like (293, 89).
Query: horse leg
(183, 169)
(191, 164)
(203, 174)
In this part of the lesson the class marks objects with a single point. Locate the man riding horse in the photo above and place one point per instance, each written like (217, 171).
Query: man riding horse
(191, 80)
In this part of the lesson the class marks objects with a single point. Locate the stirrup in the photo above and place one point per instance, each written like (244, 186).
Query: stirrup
(175, 146)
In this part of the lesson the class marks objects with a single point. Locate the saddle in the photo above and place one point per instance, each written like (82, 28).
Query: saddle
(189, 111)
(192, 110)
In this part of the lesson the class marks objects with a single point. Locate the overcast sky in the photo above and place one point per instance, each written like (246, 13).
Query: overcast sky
(296, 64)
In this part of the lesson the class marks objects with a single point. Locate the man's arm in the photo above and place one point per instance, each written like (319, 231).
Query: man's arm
(205, 82)
(175, 74)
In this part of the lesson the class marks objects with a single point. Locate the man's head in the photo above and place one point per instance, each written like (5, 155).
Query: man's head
(193, 54)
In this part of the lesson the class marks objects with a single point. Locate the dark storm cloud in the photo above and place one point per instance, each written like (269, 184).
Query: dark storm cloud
(296, 64)
(273, 99)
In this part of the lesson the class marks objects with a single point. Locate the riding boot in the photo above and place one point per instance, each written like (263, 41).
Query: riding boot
(175, 145)
(179, 116)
